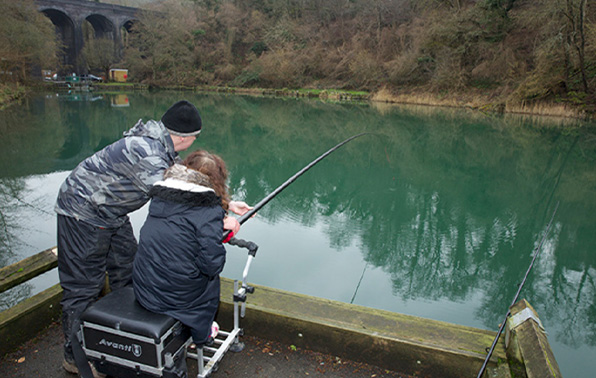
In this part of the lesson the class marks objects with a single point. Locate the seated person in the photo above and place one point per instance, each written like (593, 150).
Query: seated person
(180, 255)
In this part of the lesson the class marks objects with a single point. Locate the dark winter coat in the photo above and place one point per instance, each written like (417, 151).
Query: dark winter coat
(180, 256)
(115, 181)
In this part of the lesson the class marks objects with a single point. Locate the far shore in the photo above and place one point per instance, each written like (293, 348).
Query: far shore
(475, 100)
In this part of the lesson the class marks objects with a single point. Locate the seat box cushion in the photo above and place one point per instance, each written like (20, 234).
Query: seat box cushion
(119, 310)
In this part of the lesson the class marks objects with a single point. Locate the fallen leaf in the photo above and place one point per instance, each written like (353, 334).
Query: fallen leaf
(21, 360)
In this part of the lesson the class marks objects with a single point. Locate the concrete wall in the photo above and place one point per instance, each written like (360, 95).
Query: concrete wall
(403, 343)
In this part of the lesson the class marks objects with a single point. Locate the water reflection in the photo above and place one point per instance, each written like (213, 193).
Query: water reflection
(16, 206)
(436, 214)
(10, 190)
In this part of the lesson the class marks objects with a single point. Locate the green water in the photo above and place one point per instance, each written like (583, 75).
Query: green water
(436, 214)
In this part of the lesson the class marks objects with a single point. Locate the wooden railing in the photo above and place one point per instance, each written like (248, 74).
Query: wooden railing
(23, 321)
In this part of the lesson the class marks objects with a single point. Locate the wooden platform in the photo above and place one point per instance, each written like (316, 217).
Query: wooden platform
(395, 342)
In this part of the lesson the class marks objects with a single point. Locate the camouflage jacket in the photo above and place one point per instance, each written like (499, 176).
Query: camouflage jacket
(115, 181)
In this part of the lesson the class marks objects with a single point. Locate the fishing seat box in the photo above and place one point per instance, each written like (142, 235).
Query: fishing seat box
(124, 339)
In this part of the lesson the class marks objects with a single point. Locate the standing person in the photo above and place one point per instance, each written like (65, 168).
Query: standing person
(181, 254)
(94, 231)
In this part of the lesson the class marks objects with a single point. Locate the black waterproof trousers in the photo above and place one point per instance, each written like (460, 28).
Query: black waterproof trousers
(85, 254)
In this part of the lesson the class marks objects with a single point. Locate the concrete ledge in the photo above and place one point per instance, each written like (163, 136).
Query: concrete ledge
(23, 321)
(390, 340)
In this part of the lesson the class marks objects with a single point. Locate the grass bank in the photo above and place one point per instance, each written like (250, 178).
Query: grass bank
(485, 101)
(480, 100)
(324, 94)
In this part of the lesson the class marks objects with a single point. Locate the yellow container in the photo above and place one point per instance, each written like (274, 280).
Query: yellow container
(119, 75)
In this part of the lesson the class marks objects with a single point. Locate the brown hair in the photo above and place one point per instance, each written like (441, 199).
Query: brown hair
(213, 167)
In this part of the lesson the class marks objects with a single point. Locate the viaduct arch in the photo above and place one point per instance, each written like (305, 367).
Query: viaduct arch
(69, 16)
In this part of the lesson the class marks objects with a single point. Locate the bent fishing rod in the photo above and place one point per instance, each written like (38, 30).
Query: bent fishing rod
(272, 195)
(536, 252)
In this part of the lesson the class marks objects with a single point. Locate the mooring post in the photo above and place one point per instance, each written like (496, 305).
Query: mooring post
(528, 351)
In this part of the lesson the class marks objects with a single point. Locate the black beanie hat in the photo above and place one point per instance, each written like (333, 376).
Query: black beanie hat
(182, 119)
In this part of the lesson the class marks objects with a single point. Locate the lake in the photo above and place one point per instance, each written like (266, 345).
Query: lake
(436, 213)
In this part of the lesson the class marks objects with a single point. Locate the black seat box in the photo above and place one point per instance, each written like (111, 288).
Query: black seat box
(121, 336)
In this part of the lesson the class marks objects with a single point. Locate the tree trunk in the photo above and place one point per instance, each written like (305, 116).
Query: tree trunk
(24, 72)
(581, 50)
(576, 20)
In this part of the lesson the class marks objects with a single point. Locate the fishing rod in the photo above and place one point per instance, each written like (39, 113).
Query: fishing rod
(536, 252)
(272, 195)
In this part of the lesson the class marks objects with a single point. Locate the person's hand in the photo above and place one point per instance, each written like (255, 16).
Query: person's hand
(232, 224)
(239, 207)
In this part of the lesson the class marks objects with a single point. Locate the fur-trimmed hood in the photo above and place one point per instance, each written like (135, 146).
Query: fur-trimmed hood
(186, 187)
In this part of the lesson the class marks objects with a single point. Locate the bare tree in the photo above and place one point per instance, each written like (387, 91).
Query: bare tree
(575, 13)
(27, 39)
(100, 54)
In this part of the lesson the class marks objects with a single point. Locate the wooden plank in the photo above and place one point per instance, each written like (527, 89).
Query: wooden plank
(25, 320)
(24, 270)
(528, 350)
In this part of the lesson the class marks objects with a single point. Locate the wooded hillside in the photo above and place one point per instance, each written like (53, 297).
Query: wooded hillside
(509, 51)
(495, 54)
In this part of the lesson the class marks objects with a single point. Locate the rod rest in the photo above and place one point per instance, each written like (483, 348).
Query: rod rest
(251, 246)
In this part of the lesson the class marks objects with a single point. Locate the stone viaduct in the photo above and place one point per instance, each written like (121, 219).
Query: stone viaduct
(68, 16)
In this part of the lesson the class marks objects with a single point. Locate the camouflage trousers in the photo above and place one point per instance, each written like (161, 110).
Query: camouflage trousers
(85, 254)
